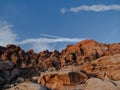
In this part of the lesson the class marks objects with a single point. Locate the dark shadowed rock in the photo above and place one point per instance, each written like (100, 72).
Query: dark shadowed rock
(6, 65)
(2, 80)
(16, 72)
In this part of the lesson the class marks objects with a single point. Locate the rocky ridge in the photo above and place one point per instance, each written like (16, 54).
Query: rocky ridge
(78, 66)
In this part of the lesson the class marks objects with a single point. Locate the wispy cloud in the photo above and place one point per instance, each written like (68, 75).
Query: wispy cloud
(50, 42)
(94, 8)
(6, 34)
(40, 44)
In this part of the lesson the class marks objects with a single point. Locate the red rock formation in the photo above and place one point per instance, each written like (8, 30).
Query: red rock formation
(91, 58)
(89, 50)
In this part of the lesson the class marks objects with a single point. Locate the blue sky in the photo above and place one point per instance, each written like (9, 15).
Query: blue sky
(75, 20)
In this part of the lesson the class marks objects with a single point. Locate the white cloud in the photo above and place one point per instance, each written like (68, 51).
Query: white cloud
(48, 42)
(40, 44)
(52, 36)
(6, 34)
(62, 10)
(94, 8)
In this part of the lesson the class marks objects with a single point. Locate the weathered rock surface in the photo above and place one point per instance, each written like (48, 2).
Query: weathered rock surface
(88, 50)
(70, 68)
(107, 66)
(98, 84)
(28, 86)
(69, 76)
(7, 71)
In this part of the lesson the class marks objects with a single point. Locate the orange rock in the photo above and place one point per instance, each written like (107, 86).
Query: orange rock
(105, 66)
(89, 49)
(66, 77)
(14, 57)
(89, 57)
(4, 57)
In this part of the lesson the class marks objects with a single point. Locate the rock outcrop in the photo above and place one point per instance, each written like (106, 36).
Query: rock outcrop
(104, 67)
(87, 50)
(72, 68)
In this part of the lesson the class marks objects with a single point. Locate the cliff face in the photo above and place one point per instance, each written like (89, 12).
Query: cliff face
(73, 66)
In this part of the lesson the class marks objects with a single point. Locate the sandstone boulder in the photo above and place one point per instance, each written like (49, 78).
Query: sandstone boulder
(63, 78)
(107, 66)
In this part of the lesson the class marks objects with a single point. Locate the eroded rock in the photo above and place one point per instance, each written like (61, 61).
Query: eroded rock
(68, 76)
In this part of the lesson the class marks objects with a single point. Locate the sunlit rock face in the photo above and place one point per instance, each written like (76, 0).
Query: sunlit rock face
(72, 68)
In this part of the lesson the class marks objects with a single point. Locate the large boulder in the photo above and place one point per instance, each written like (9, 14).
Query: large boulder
(110, 65)
(68, 76)
(107, 66)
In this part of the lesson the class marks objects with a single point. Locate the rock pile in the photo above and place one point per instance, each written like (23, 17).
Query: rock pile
(73, 68)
